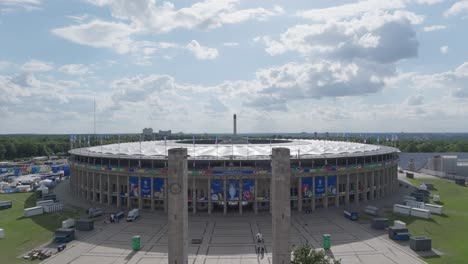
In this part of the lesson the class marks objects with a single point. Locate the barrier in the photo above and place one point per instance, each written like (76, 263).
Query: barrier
(44, 202)
(371, 210)
(414, 204)
(410, 198)
(421, 213)
(5, 205)
(52, 208)
(32, 211)
(401, 209)
(434, 209)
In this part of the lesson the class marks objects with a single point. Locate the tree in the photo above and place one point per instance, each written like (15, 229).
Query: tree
(305, 254)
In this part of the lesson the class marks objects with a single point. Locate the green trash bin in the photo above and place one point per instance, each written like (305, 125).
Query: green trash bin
(326, 241)
(136, 243)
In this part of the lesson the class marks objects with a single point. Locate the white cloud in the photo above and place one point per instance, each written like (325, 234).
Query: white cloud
(164, 17)
(36, 66)
(74, 69)
(378, 36)
(444, 49)
(460, 7)
(230, 44)
(415, 100)
(434, 28)
(201, 52)
(4, 64)
(16, 5)
(99, 34)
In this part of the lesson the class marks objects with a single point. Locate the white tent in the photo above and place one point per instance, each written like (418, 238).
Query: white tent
(44, 189)
(46, 182)
(4, 185)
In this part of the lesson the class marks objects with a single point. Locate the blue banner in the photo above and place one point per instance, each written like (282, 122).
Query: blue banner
(216, 191)
(133, 183)
(307, 191)
(232, 190)
(331, 188)
(248, 189)
(146, 187)
(158, 188)
(319, 186)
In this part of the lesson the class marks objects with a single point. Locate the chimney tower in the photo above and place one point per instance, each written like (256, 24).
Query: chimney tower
(235, 125)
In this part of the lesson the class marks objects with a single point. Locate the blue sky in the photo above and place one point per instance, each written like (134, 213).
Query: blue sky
(282, 66)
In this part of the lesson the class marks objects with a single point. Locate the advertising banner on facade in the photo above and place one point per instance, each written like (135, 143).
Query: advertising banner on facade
(158, 188)
(331, 188)
(146, 187)
(307, 191)
(133, 183)
(248, 189)
(232, 190)
(319, 186)
(217, 190)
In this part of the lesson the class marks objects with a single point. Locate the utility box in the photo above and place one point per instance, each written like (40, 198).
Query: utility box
(379, 223)
(136, 243)
(94, 212)
(84, 224)
(398, 233)
(63, 235)
(420, 243)
(326, 241)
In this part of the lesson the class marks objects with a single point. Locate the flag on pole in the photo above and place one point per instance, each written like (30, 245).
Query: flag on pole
(165, 139)
(193, 139)
(216, 140)
(89, 141)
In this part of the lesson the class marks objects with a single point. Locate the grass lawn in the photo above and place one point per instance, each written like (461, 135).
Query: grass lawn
(23, 234)
(449, 232)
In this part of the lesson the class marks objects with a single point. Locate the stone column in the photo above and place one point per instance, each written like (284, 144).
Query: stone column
(372, 192)
(194, 196)
(347, 190)
(365, 186)
(101, 190)
(281, 205)
(356, 196)
(128, 192)
(255, 197)
(88, 187)
(224, 195)
(152, 192)
(109, 190)
(94, 187)
(140, 200)
(312, 202)
(240, 195)
(119, 199)
(299, 194)
(325, 199)
(177, 206)
(166, 195)
(378, 185)
(209, 196)
(337, 197)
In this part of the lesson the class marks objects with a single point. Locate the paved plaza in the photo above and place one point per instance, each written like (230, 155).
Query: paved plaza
(230, 239)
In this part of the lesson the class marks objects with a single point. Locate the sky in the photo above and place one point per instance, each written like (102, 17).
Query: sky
(281, 66)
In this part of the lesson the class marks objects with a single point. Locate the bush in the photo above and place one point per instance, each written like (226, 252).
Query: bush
(305, 254)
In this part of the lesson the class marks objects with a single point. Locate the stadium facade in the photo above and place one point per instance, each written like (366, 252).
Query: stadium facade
(233, 175)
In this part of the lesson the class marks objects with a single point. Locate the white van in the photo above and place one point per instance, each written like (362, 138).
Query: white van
(133, 214)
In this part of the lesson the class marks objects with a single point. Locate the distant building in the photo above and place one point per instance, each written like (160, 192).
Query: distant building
(165, 132)
(148, 131)
(445, 165)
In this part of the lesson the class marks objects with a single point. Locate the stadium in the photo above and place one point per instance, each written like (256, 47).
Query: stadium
(232, 175)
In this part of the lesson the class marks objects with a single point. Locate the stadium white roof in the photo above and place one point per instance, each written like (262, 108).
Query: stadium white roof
(298, 147)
